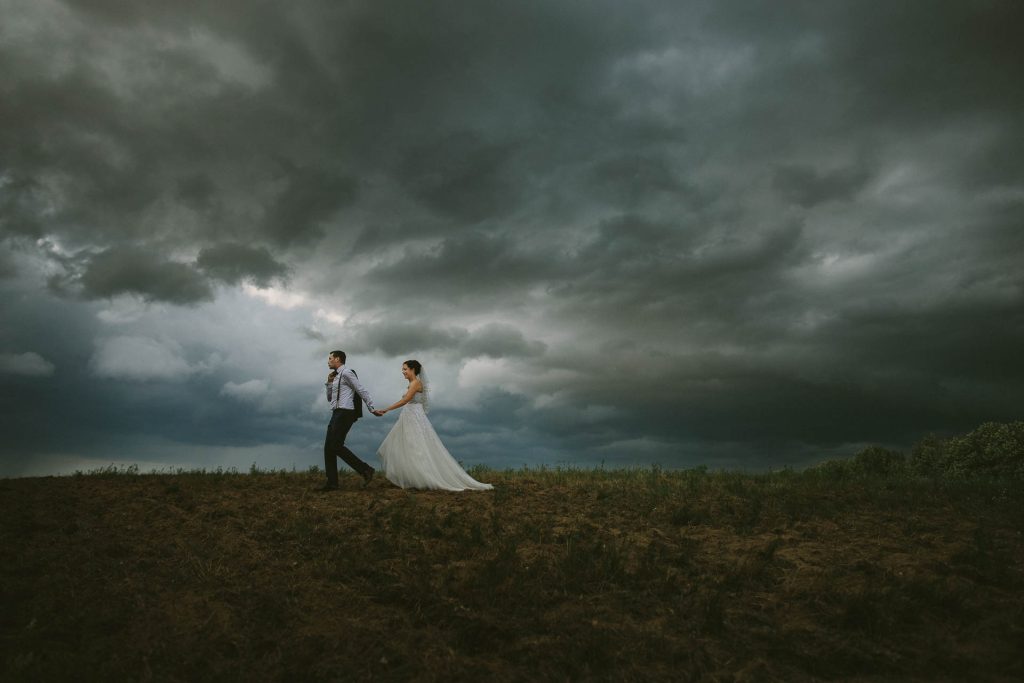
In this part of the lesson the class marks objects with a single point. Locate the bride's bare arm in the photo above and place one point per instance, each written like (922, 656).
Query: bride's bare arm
(414, 386)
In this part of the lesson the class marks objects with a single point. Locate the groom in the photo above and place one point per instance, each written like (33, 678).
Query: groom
(345, 395)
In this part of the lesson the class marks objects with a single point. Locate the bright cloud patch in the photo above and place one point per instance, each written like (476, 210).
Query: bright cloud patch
(139, 358)
(252, 391)
(278, 298)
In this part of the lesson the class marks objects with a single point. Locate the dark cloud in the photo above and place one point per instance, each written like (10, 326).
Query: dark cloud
(132, 270)
(196, 190)
(469, 266)
(310, 196)
(651, 231)
(313, 334)
(234, 263)
(630, 179)
(499, 340)
(461, 176)
(494, 340)
(808, 186)
(21, 202)
(399, 338)
(8, 265)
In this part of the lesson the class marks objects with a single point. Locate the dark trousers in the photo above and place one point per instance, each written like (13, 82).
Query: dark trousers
(342, 420)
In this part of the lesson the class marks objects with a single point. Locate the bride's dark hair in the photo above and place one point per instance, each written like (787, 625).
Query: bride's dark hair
(415, 366)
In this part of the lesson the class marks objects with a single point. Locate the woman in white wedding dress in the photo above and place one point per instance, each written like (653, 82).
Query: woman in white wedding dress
(412, 454)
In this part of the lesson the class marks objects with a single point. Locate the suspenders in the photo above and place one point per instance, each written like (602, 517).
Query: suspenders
(357, 401)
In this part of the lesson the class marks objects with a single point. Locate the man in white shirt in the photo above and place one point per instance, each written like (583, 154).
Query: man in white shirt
(345, 395)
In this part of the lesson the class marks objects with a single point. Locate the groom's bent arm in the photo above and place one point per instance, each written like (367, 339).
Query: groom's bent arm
(358, 387)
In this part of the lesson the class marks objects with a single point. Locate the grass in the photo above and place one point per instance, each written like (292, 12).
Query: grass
(555, 575)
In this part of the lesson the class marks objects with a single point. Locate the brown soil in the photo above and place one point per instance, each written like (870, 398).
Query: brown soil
(638, 575)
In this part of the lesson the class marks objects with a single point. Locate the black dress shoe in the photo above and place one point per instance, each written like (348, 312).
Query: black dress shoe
(328, 487)
(367, 477)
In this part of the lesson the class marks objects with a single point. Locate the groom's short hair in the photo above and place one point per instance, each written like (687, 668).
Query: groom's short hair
(340, 355)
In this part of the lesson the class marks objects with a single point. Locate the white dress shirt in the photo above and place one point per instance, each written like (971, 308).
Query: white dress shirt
(346, 385)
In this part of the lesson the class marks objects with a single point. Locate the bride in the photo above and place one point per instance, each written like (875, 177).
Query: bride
(412, 454)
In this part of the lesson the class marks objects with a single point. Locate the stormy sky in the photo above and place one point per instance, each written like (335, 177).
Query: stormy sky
(741, 234)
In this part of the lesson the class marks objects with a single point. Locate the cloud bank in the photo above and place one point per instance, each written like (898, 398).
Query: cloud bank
(712, 232)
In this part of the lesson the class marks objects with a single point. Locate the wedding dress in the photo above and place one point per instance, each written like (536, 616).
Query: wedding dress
(413, 457)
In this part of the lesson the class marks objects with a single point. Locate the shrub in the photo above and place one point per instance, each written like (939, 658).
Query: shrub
(993, 449)
(878, 460)
(928, 456)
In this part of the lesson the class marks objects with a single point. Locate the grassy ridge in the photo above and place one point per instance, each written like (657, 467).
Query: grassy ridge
(556, 574)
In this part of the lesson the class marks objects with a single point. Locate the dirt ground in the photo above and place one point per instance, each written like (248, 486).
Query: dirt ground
(554, 575)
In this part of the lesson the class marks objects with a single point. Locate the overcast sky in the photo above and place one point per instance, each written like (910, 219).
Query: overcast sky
(741, 234)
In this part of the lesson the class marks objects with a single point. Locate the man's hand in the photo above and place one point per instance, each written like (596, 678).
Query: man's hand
(379, 413)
